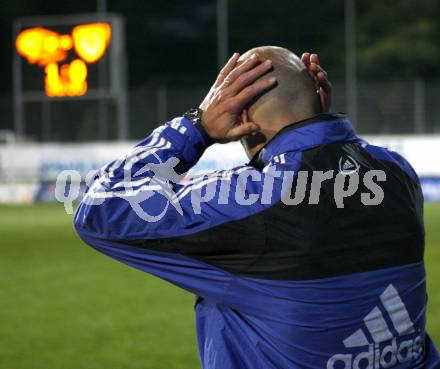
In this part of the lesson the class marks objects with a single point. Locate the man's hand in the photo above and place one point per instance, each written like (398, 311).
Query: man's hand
(319, 75)
(234, 88)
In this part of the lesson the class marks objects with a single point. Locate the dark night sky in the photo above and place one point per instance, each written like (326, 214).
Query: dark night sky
(173, 43)
(177, 42)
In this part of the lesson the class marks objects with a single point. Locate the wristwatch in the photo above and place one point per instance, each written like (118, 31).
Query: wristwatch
(194, 115)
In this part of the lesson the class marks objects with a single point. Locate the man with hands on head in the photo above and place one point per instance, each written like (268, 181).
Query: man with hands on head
(279, 283)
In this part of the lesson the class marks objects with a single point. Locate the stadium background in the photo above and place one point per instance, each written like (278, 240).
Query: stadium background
(64, 306)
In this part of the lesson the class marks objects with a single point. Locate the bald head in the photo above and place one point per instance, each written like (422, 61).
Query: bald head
(293, 98)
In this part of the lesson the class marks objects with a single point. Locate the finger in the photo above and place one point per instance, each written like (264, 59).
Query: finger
(314, 58)
(324, 82)
(244, 116)
(249, 77)
(228, 68)
(322, 76)
(242, 130)
(319, 74)
(250, 92)
(242, 68)
(305, 58)
(316, 68)
(314, 77)
(320, 70)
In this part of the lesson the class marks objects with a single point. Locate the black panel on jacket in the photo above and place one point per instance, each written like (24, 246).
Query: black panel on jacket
(288, 242)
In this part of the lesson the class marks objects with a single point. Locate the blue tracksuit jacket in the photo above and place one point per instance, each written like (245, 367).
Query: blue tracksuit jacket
(290, 266)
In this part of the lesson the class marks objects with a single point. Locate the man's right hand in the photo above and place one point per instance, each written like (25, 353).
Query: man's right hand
(319, 75)
(234, 88)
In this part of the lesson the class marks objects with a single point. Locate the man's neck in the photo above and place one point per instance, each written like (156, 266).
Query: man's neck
(253, 144)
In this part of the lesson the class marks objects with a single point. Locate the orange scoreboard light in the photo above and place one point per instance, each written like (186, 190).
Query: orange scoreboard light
(49, 50)
(72, 62)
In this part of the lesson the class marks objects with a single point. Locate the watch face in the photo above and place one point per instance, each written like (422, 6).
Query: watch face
(193, 115)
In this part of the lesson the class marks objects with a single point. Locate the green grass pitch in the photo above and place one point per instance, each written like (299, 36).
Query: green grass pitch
(64, 306)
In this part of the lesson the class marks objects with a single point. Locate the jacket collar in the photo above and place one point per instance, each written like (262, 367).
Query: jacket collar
(321, 129)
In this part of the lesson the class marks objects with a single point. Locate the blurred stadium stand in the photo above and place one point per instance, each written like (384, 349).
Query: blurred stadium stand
(383, 108)
(67, 135)
(172, 54)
